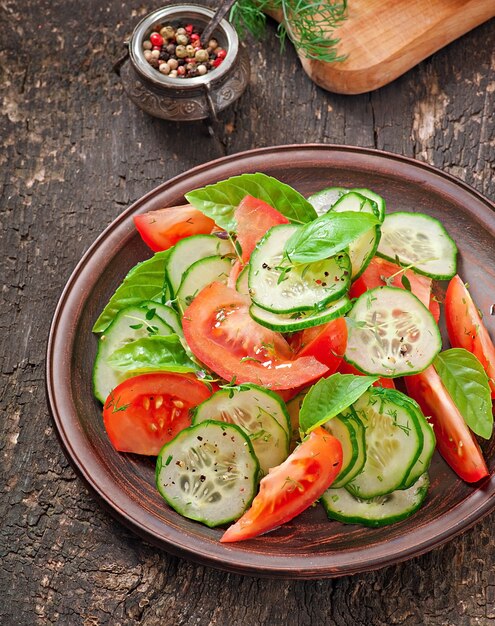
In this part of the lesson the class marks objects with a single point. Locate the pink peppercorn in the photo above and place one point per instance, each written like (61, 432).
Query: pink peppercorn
(156, 39)
(221, 54)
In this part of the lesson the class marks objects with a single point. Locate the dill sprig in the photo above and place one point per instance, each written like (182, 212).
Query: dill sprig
(309, 25)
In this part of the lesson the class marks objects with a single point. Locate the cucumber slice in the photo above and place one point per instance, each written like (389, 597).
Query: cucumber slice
(276, 285)
(188, 251)
(391, 333)
(129, 324)
(363, 249)
(291, 322)
(378, 200)
(419, 241)
(241, 283)
(166, 313)
(350, 432)
(259, 413)
(324, 200)
(394, 441)
(199, 275)
(208, 473)
(341, 505)
(423, 462)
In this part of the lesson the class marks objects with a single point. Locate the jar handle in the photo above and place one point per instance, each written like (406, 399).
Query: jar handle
(120, 62)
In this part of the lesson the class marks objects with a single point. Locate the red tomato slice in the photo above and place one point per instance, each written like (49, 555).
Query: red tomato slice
(291, 487)
(144, 412)
(455, 441)
(221, 333)
(434, 307)
(327, 343)
(465, 328)
(234, 274)
(254, 217)
(379, 269)
(347, 368)
(162, 229)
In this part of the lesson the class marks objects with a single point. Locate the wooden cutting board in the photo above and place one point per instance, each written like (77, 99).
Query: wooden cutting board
(384, 38)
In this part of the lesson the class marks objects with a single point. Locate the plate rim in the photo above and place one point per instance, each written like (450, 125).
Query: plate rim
(234, 559)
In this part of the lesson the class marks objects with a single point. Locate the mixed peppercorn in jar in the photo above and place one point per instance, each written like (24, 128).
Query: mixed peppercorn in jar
(178, 52)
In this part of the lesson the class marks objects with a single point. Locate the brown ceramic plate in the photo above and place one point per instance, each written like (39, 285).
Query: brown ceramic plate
(310, 546)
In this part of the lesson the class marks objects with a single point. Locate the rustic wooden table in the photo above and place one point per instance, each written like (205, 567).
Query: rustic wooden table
(75, 153)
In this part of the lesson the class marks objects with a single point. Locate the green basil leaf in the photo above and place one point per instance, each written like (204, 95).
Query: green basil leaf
(220, 200)
(329, 397)
(145, 281)
(327, 235)
(467, 384)
(151, 354)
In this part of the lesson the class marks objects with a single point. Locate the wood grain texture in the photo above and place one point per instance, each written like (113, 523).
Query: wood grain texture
(383, 39)
(75, 154)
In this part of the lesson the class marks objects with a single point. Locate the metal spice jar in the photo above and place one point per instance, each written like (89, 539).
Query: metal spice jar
(168, 95)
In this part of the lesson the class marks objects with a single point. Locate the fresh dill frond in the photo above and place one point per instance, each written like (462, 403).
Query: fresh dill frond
(309, 25)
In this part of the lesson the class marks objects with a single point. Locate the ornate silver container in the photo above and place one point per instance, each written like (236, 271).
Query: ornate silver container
(184, 99)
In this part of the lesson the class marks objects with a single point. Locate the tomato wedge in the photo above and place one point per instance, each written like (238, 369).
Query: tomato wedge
(380, 269)
(162, 229)
(291, 487)
(347, 368)
(326, 343)
(465, 328)
(145, 412)
(221, 333)
(254, 218)
(455, 441)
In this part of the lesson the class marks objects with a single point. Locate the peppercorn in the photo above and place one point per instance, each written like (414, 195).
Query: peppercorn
(201, 56)
(202, 69)
(167, 32)
(155, 54)
(156, 39)
(213, 43)
(147, 45)
(182, 40)
(180, 31)
(180, 52)
(164, 68)
(181, 71)
(173, 64)
(191, 50)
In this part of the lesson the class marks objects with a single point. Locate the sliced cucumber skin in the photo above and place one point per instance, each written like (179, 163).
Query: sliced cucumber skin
(104, 377)
(182, 443)
(375, 514)
(354, 353)
(368, 484)
(270, 295)
(343, 430)
(369, 241)
(429, 441)
(382, 251)
(275, 421)
(284, 324)
(191, 249)
(241, 284)
(200, 274)
(360, 442)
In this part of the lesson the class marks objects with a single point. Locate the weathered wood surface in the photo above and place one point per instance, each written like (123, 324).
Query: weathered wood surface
(75, 153)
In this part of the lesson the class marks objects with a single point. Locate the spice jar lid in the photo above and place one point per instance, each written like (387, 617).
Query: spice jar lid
(182, 13)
